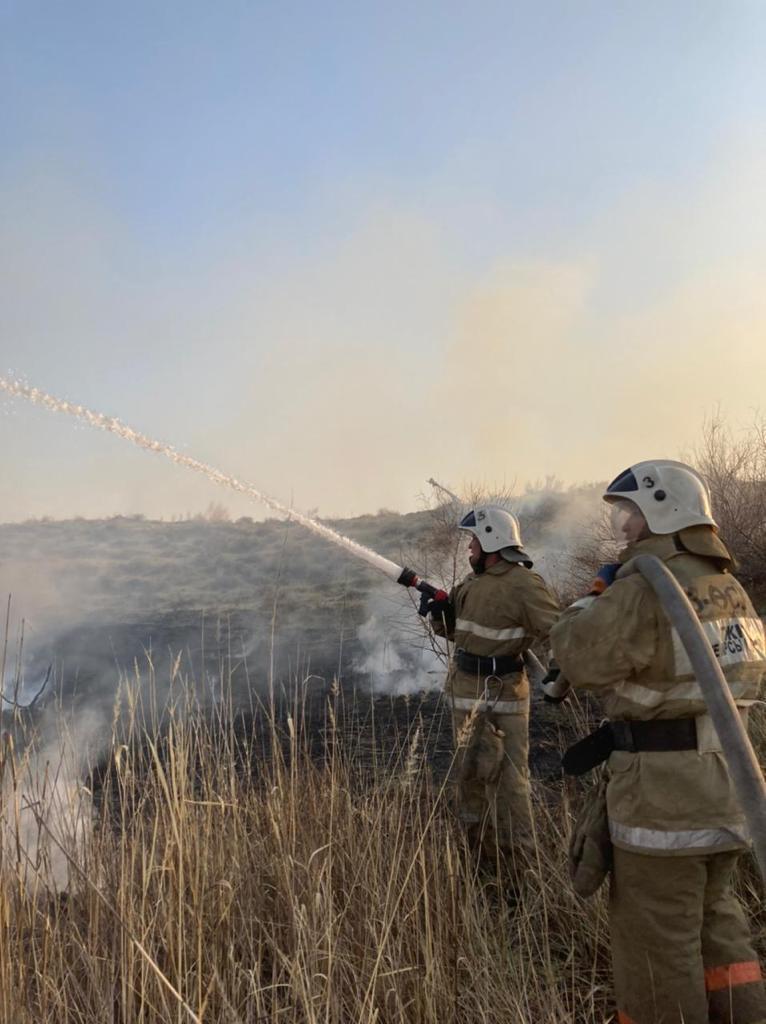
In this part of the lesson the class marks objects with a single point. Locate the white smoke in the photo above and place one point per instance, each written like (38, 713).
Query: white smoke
(397, 654)
(564, 533)
(46, 818)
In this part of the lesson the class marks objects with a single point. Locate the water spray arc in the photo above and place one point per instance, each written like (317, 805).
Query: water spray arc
(98, 420)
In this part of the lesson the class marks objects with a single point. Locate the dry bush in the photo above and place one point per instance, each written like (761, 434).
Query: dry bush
(734, 467)
(566, 531)
(592, 545)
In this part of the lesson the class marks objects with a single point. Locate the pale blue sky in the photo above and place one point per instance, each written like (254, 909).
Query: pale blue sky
(279, 234)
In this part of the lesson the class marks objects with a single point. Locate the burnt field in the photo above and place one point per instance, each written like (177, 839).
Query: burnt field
(188, 663)
(374, 736)
(261, 631)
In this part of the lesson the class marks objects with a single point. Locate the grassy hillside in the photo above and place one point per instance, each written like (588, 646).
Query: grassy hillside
(94, 592)
(126, 565)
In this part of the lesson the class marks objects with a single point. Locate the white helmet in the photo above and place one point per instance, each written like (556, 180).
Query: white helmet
(493, 527)
(671, 495)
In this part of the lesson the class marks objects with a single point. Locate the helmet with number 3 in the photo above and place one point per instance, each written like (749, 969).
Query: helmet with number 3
(670, 495)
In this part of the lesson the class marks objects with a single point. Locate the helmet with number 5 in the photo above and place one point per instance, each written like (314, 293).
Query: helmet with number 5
(670, 495)
(493, 526)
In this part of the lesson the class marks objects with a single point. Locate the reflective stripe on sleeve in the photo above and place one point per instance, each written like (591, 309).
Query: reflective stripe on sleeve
(691, 692)
(498, 707)
(729, 975)
(512, 633)
(683, 839)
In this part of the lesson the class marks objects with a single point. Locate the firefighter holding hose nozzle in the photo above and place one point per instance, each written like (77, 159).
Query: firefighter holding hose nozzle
(681, 946)
(493, 616)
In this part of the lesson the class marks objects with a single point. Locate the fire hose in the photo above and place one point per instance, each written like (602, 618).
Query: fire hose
(735, 743)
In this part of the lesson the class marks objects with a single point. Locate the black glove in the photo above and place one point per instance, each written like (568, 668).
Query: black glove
(434, 606)
(438, 608)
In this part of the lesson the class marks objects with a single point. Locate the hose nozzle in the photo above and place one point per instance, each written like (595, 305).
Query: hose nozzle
(408, 578)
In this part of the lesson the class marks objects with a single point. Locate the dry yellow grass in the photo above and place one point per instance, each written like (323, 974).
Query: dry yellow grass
(304, 892)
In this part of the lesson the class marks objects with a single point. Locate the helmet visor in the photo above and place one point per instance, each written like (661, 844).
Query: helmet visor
(624, 483)
(468, 522)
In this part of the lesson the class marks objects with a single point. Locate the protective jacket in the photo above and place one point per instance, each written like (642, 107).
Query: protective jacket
(499, 613)
(621, 646)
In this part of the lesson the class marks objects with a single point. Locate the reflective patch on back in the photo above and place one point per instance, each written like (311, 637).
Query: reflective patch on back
(734, 641)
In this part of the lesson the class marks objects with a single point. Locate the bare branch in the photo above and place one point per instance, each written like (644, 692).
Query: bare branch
(27, 707)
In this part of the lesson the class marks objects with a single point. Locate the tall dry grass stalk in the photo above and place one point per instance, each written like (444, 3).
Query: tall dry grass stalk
(232, 875)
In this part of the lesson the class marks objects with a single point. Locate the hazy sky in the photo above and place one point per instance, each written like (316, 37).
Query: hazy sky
(339, 248)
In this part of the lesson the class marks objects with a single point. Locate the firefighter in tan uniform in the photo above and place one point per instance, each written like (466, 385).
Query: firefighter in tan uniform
(493, 616)
(681, 946)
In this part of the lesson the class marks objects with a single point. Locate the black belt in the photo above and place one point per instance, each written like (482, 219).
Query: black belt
(503, 665)
(662, 734)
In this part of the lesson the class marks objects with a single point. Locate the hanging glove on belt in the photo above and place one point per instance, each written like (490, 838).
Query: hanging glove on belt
(480, 749)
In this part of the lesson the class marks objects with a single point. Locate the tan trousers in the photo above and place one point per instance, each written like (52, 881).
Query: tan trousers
(681, 947)
(497, 814)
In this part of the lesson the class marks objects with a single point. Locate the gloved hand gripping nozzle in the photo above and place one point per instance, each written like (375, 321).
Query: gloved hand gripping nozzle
(430, 596)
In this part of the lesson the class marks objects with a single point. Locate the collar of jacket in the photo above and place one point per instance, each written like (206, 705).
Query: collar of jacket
(498, 569)
(695, 540)
(661, 545)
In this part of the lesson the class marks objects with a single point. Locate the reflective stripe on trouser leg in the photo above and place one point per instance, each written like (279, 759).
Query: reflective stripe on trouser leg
(732, 973)
(655, 920)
